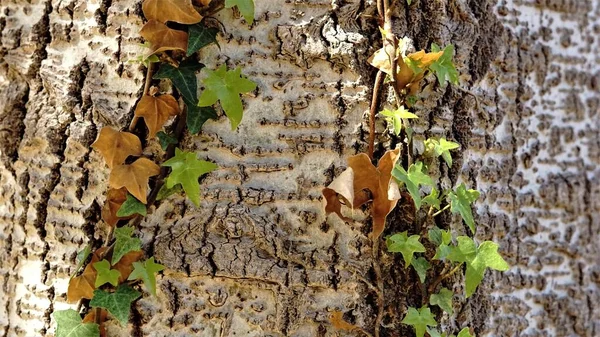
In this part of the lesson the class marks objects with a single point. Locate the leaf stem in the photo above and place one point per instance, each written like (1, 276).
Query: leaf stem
(149, 70)
(440, 211)
(442, 277)
(376, 90)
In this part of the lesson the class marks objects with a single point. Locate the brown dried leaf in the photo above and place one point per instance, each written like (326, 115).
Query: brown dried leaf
(134, 177)
(114, 199)
(338, 322)
(181, 11)
(115, 146)
(163, 38)
(82, 286)
(156, 111)
(125, 264)
(91, 318)
(351, 188)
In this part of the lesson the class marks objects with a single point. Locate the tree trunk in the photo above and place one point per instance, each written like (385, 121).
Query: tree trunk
(259, 257)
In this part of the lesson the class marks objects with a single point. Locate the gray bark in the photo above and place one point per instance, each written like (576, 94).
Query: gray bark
(259, 257)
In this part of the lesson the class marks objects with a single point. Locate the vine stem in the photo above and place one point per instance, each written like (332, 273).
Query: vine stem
(442, 277)
(380, 300)
(149, 70)
(440, 211)
(375, 99)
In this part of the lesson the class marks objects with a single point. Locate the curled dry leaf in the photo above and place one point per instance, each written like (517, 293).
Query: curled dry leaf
(163, 38)
(115, 146)
(360, 176)
(181, 11)
(82, 286)
(337, 320)
(114, 199)
(156, 111)
(91, 318)
(134, 177)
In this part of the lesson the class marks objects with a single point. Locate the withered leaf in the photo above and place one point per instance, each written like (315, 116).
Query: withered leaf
(114, 199)
(156, 111)
(125, 264)
(83, 286)
(181, 11)
(91, 318)
(115, 146)
(337, 320)
(360, 176)
(134, 177)
(163, 38)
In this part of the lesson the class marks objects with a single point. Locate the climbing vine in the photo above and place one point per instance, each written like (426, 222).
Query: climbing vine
(435, 254)
(114, 273)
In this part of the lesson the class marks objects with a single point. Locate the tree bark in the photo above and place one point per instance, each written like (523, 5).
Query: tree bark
(259, 257)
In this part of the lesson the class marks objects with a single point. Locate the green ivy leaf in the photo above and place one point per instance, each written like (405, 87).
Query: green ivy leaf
(441, 238)
(200, 36)
(106, 275)
(166, 139)
(407, 246)
(444, 68)
(395, 117)
(145, 272)
(478, 259)
(433, 199)
(409, 2)
(124, 243)
(131, 206)
(185, 170)
(421, 266)
(465, 332)
(226, 86)
(183, 78)
(165, 192)
(118, 303)
(246, 7)
(443, 299)
(412, 179)
(81, 258)
(460, 202)
(69, 324)
(197, 116)
(441, 148)
(419, 320)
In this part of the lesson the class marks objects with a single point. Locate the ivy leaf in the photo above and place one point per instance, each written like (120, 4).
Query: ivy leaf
(156, 111)
(460, 202)
(444, 68)
(421, 266)
(409, 2)
(413, 179)
(395, 117)
(145, 271)
(407, 246)
(69, 324)
(464, 251)
(82, 257)
(118, 303)
(105, 274)
(125, 264)
(181, 11)
(114, 199)
(441, 238)
(131, 206)
(185, 170)
(134, 177)
(124, 243)
(433, 199)
(183, 78)
(165, 140)
(361, 175)
(165, 192)
(419, 320)
(200, 36)
(116, 146)
(163, 38)
(197, 116)
(465, 332)
(246, 7)
(443, 299)
(441, 148)
(82, 286)
(226, 86)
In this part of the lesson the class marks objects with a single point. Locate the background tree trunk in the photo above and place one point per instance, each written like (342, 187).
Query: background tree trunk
(259, 257)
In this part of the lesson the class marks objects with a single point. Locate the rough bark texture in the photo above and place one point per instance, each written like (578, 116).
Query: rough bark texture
(259, 258)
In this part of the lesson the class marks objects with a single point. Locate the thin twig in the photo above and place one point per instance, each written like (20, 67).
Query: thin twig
(374, 101)
(440, 211)
(135, 119)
